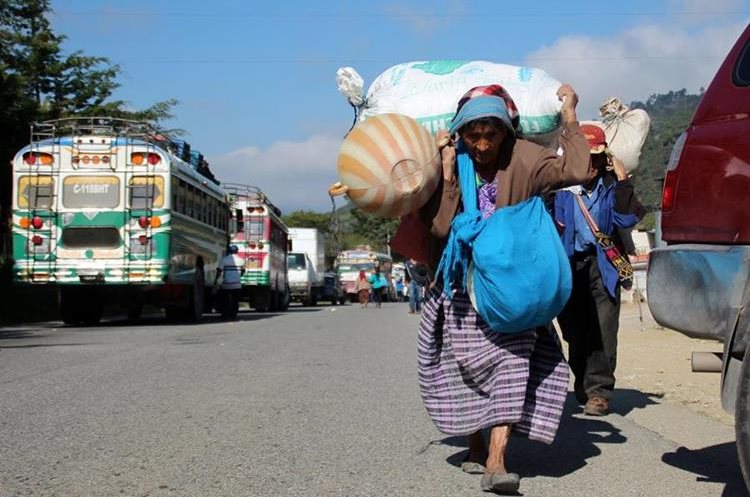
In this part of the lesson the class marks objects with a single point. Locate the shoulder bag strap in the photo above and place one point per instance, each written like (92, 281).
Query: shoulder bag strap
(587, 215)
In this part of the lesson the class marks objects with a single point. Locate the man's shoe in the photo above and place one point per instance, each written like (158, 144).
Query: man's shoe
(596, 406)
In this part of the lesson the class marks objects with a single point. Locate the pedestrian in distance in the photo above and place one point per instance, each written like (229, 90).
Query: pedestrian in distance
(379, 283)
(362, 289)
(230, 271)
(590, 320)
(414, 294)
(472, 378)
(399, 289)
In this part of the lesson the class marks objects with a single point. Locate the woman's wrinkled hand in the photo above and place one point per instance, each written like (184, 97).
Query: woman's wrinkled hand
(447, 150)
(569, 99)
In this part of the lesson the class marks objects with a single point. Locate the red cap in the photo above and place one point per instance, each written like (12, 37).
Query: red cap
(596, 137)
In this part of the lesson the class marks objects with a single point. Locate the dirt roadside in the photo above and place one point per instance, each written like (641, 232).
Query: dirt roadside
(656, 361)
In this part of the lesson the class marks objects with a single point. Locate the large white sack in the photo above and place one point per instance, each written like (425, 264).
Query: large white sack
(626, 130)
(428, 91)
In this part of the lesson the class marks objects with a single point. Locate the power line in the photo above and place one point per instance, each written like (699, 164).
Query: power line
(396, 15)
(350, 60)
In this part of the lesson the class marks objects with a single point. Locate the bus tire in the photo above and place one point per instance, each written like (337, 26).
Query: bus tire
(284, 300)
(92, 313)
(135, 311)
(70, 307)
(261, 300)
(70, 311)
(194, 310)
(173, 313)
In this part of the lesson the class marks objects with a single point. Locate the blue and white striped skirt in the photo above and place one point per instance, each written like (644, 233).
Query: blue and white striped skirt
(471, 377)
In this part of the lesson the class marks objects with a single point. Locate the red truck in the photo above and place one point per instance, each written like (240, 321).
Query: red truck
(699, 284)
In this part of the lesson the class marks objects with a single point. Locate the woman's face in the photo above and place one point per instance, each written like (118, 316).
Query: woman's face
(483, 142)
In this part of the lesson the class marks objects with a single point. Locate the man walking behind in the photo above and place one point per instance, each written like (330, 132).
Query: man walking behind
(590, 320)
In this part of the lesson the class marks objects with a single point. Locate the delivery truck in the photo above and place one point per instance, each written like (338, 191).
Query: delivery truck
(306, 265)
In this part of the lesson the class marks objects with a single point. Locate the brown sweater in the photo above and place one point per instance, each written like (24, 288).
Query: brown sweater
(531, 170)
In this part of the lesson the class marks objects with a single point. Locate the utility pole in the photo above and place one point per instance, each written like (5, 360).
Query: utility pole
(388, 242)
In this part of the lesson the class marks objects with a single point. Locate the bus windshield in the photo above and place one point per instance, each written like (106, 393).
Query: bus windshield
(348, 268)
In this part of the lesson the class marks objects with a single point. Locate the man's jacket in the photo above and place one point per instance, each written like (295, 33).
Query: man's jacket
(619, 208)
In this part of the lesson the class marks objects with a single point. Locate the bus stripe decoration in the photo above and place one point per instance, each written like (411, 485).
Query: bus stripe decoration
(388, 165)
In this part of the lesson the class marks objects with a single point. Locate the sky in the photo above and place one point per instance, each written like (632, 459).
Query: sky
(256, 81)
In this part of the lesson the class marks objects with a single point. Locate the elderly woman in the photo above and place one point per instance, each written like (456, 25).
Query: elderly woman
(471, 377)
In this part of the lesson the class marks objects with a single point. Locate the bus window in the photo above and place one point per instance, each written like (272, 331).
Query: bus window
(35, 192)
(255, 228)
(240, 221)
(146, 193)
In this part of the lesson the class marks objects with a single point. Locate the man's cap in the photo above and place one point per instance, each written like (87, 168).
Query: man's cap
(233, 249)
(596, 138)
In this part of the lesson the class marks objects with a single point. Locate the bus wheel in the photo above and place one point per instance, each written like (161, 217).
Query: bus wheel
(275, 301)
(135, 311)
(194, 310)
(92, 313)
(284, 300)
(261, 300)
(70, 307)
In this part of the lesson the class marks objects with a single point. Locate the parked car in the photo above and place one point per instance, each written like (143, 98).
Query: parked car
(699, 283)
(333, 290)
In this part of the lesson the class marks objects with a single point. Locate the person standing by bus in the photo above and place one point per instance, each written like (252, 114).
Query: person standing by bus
(231, 269)
(379, 283)
(362, 289)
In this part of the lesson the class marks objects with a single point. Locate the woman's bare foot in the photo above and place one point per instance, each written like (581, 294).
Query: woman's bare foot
(499, 436)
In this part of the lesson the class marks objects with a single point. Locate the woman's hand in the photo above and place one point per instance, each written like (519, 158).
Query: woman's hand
(569, 99)
(447, 150)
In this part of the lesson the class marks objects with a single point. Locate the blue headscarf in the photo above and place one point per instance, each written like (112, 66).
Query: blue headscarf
(478, 107)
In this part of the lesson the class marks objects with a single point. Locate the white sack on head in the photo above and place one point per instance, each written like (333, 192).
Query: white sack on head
(626, 130)
(428, 91)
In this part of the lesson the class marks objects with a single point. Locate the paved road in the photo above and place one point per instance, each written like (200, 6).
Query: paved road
(315, 402)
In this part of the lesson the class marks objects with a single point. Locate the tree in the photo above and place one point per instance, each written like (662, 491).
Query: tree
(39, 82)
(374, 231)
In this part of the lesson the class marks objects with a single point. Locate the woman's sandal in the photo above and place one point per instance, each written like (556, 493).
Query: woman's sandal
(501, 483)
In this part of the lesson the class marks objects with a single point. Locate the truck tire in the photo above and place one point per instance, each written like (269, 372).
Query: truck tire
(742, 418)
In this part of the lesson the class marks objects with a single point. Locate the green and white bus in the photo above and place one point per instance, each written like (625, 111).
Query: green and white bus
(262, 238)
(112, 212)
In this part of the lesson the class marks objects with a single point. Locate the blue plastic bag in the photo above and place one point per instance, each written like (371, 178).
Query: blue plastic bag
(512, 264)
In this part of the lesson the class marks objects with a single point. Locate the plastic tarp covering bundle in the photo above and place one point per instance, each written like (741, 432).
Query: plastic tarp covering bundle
(626, 130)
(428, 91)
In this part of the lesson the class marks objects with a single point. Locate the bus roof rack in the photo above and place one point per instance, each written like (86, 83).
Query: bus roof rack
(251, 193)
(113, 126)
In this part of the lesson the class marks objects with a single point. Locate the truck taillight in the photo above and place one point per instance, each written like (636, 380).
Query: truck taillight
(667, 194)
(670, 180)
(37, 222)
